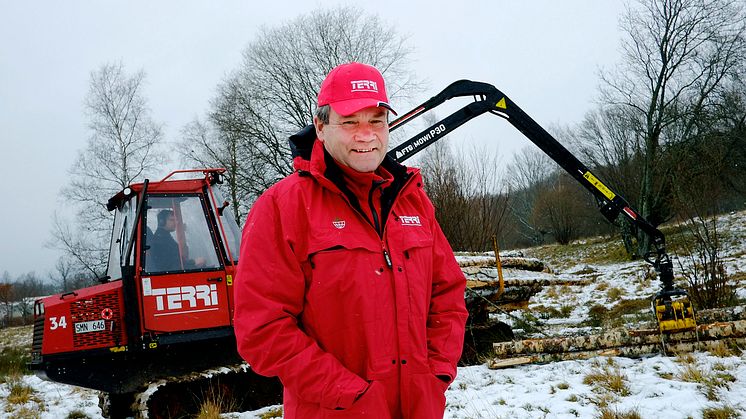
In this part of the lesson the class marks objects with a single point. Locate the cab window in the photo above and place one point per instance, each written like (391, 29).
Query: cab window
(177, 235)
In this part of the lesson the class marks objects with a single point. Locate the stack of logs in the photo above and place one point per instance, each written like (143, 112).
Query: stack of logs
(483, 294)
(716, 328)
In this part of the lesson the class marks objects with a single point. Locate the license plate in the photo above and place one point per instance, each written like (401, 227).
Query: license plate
(92, 326)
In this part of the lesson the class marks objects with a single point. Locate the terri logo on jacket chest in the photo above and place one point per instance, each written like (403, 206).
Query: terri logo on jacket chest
(410, 220)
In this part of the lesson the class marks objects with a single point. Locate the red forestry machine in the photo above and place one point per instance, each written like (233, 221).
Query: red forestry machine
(152, 320)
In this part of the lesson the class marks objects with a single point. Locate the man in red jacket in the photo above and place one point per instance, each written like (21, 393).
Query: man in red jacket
(347, 289)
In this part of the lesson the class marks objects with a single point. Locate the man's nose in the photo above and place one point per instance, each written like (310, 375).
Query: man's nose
(365, 132)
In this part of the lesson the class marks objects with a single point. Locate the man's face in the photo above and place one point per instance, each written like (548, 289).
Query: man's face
(170, 224)
(359, 141)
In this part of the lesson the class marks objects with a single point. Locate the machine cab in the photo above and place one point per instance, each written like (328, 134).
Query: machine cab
(183, 245)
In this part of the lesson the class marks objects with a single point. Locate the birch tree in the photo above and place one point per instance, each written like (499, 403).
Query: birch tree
(123, 147)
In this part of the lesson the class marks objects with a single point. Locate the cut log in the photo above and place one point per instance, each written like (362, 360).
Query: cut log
(633, 351)
(617, 338)
(526, 264)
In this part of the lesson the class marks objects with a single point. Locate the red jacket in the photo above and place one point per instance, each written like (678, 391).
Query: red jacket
(354, 323)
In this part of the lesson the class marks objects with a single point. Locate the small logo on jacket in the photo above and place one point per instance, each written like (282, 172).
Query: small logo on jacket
(339, 223)
(364, 86)
(410, 220)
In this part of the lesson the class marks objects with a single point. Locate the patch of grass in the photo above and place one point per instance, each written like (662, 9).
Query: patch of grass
(691, 373)
(551, 293)
(27, 413)
(630, 307)
(685, 358)
(607, 378)
(563, 386)
(586, 270)
(719, 367)
(614, 294)
(13, 362)
(77, 414)
(592, 251)
(550, 312)
(598, 314)
(272, 413)
(710, 382)
(639, 308)
(209, 410)
(543, 312)
(216, 400)
(20, 393)
(724, 412)
(610, 252)
(606, 413)
(573, 398)
(721, 350)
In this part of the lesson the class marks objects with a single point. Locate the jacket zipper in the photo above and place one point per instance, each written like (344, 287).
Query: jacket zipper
(376, 221)
(387, 257)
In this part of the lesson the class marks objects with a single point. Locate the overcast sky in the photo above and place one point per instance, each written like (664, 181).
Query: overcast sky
(545, 55)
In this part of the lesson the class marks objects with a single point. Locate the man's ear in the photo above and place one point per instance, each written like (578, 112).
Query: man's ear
(319, 125)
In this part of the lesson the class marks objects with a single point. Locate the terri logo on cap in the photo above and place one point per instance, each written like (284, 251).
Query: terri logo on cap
(364, 86)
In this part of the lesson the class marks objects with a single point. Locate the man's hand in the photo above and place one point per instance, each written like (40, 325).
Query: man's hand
(200, 261)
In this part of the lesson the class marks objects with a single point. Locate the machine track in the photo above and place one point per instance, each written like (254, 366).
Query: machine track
(234, 388)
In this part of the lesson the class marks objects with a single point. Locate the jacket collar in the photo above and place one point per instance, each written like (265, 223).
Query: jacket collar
(311, 159)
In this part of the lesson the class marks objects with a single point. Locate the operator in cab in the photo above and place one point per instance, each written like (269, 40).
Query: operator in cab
(163, 252)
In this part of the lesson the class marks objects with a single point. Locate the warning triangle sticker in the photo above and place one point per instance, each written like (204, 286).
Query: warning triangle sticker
(501, 104)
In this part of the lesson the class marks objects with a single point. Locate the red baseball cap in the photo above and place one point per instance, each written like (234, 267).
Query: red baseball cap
(353, 86)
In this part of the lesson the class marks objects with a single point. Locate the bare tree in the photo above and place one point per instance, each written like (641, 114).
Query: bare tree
(468, 195)
(558, 209)
(441, 175)
(526, 174)
(123, 147)
(677, 55)
(67, 274)
(7, 297)
(205, 147)
(608, 139)
(273, 93)
(27, 287)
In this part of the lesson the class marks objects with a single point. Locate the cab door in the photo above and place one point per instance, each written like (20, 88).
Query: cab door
(183, 282)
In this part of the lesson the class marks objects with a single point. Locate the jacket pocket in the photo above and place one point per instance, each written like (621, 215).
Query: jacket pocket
(428, 399)
(372, 404)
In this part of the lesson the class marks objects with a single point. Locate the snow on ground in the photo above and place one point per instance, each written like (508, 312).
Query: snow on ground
(655, 386)
(51, 401)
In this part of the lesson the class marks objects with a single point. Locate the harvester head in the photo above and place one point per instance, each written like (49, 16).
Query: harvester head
(674, 311)
(672, 308)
